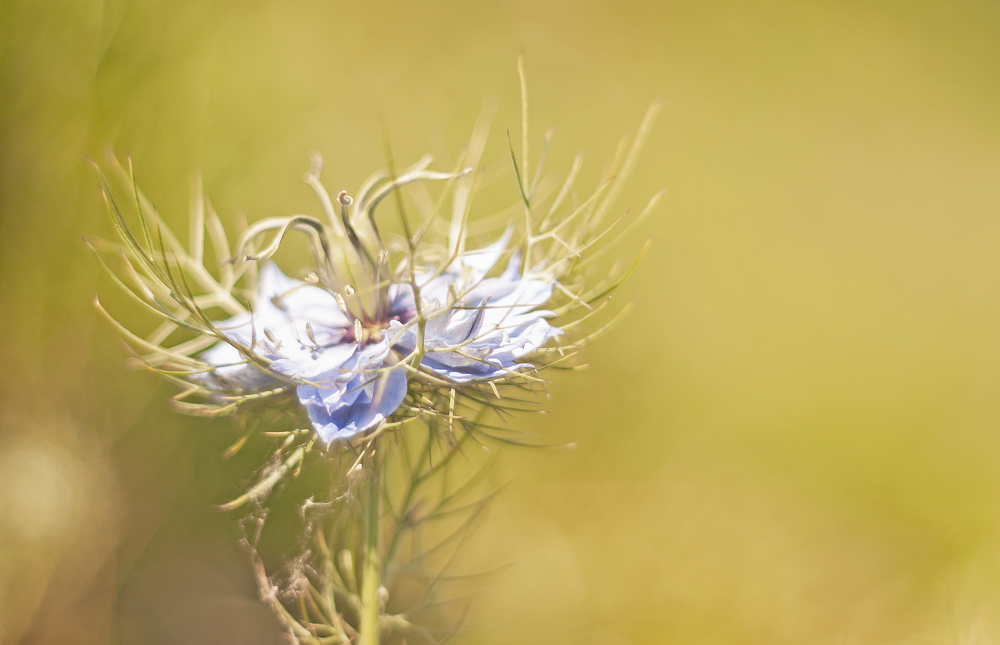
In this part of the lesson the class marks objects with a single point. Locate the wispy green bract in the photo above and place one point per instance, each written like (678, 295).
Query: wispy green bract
(389, 358)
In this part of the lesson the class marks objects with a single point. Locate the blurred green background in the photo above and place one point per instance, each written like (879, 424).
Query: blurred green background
(794, 438)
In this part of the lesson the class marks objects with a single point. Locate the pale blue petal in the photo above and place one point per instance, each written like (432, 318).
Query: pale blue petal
(281, 303)
(492, 356)
(502, 318)
(355, 395)
(359, 408)
(480, 262)
(468, 269)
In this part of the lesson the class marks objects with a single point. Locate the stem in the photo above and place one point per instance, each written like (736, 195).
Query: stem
(372, 574)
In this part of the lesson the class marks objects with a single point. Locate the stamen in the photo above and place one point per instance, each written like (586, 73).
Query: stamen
(341, 303)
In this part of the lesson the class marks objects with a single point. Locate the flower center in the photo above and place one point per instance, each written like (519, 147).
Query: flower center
(369, 334)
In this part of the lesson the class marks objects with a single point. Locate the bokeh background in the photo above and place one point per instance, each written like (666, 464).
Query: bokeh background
(795, 436)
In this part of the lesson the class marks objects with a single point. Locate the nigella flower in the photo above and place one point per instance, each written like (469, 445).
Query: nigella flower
(346, 368)
(381, 331)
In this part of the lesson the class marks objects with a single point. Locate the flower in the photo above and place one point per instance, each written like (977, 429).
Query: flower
(381, 332)
(347, 371)
(410, 327)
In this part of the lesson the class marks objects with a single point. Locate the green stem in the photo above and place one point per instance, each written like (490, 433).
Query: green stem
(372, 572)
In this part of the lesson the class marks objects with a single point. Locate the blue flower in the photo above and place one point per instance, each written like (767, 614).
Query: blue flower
(346, 372)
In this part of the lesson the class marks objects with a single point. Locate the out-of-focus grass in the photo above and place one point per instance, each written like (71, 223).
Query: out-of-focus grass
(794, 436)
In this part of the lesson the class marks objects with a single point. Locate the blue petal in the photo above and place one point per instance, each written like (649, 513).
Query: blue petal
(501, 317)
(340, 415)
(348, 390)
(355, 396)
(492, 356)
(283, 307)
(469, 268)
(480, 262)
